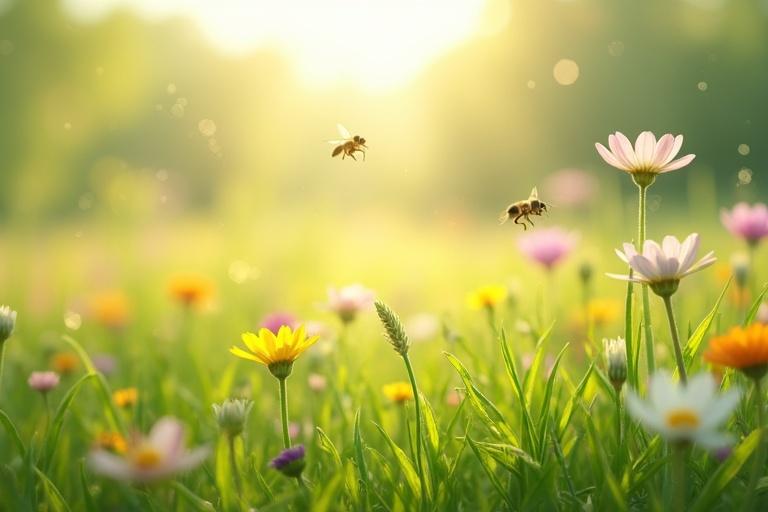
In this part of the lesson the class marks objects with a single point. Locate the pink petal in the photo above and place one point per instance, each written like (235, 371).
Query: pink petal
(167, 436)
(609, 157)
(645, 147)
(626, 148)
(675, 149)
(677, 164)
(110, 465)
(663, 147)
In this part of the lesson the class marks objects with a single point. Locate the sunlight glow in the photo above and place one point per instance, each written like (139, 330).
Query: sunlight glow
(373, 44)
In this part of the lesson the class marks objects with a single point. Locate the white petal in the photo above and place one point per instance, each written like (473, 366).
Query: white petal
(167, 436)
(663, 147)
(713, 440)
(609, 157)
(661, 389)
(110, 465)
(644, 413)
(721, 408)
(644, 267)
(671, 246)
(675, 149)
(622, 148)
(679, 163)
(688, 251)
(645, 146)
(192, 459)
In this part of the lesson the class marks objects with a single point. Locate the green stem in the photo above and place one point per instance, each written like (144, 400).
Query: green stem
(618, 421)
(759, 462)
(417, 401)
(751, 277)
(675, 339)
(2, 366)
(233, 463)
(678, 477)
(650, 358)
(284, 412)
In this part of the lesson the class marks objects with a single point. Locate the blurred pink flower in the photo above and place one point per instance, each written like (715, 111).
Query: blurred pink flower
(570, 187)
(349, 300)
(43, 381)
(105, 363)
(159, 455)
(648, 156)
(274, 321)
(547, 246)
(747, 222)
(317, 382)
(453, 398)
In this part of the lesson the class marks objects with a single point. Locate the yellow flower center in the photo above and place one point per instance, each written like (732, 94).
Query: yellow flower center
(682, 418)
(147, 458)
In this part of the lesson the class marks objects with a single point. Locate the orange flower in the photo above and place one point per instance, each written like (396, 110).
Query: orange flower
(111, 441)
(64, 362)
(603, 311)
(190, 290)
(126, 397)
(742, 349)
(110, 309)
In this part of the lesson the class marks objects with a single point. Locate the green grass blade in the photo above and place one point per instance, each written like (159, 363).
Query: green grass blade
(752, 313)
(52, 436)
(489, 466)
(53, 496)
(362, 470)
(328, 447)
(692, 347)
(405, 464)
(10, 429)
(726, 472)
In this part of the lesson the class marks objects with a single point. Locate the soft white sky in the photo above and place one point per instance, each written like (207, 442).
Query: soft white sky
(374, 44)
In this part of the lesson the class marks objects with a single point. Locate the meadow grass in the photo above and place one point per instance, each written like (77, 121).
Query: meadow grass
(517, 410)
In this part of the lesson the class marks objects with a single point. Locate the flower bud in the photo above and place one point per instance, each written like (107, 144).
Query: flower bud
(585, 272)
(231, 415)
(740, 268)
(7, 323)
(616, 361)
(290, 462)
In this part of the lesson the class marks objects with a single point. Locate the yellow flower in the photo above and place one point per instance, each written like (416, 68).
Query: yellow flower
(64, 362)
(110, 309)
(398, 392)
(126, 397)
(190, 290)
(486, 297)
(112, 442)
(745, 349)
(603, 311)
(275, 352)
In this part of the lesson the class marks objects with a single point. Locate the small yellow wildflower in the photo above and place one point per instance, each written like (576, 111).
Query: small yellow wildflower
(398, 392)
(126, 397)
(276, 352)
(486, 297)
(64, 362)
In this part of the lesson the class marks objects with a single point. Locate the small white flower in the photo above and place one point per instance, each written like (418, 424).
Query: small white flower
(690, 412)
(159, 455)
(663, 266)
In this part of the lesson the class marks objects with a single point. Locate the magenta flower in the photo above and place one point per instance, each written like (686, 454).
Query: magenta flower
(43, 381)
(350, 300)
(290, 462)
(274, 321)
(547, 247)
(747, 222)
(648, 156)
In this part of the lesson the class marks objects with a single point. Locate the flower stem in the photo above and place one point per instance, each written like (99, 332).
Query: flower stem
(2, 366)
(759, 463)
(648, 332)
(284, 412)
(678, 477)
(417, 400)
(675, 339)
(233, 463)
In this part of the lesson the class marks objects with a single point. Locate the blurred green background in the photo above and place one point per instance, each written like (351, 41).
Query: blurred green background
(145, 138)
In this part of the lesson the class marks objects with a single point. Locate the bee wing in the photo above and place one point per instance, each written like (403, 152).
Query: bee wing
(534, 193)
(343, 131)
(336, 142)
(504, 216)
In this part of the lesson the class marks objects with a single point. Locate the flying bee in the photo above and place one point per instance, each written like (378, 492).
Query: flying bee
(522, 209)
(348, 145)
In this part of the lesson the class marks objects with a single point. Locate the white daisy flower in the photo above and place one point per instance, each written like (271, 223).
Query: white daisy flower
(662, 266)
(647, 158)
(685, 413)
(159, 455)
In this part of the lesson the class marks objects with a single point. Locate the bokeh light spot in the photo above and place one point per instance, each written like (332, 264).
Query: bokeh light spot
(566, 72)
